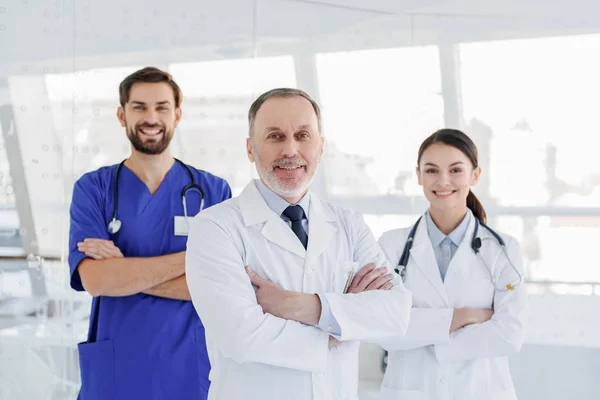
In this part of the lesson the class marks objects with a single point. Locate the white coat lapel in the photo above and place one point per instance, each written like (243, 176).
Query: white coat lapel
(423, 255)
(321, 227)
(255, 211)
(463, 257)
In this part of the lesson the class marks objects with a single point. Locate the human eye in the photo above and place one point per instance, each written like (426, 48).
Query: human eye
(274, 136)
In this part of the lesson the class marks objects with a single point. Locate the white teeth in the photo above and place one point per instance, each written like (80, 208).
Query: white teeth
(289, 168)
(443, 193)
(150, 131)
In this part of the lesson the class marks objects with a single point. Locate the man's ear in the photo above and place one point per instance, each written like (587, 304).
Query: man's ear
(250, 149)
(178, 114)
(121, 116)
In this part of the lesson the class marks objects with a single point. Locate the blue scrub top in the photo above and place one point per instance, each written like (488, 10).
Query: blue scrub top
(146, 347)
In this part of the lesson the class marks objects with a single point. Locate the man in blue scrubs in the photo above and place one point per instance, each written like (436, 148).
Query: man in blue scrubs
(145, 339)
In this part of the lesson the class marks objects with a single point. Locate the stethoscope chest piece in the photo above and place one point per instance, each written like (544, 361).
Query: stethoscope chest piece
(114, 226)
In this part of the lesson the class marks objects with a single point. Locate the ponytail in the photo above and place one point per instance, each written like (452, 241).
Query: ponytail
(476, 207)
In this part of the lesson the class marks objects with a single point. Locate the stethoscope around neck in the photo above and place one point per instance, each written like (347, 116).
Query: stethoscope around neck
(475, 245)
(115, 224)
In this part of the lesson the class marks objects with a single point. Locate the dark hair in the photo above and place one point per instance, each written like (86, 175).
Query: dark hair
(460, 141)
(148, 75)
(279, 93)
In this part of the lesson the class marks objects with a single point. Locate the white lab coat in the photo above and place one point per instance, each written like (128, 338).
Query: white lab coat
(428, 363)
(259, 356)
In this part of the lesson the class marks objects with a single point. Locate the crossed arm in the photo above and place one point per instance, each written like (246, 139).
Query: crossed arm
(464, 333)
(306, 308)
(242, 324)
(108, 273)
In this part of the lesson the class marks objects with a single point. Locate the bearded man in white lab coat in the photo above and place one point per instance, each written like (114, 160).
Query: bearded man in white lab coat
(275, 275)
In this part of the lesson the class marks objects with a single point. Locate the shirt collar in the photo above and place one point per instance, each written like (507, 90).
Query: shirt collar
(456, 236)
(277, 203)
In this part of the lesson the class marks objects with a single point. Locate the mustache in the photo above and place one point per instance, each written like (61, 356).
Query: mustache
(290, 162)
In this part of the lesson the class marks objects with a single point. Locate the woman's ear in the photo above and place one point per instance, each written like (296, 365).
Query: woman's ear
(475, 176)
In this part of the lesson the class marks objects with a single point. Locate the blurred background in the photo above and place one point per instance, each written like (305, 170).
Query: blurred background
(520, 77)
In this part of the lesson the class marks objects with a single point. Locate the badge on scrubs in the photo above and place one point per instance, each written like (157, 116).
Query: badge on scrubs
(181, 226)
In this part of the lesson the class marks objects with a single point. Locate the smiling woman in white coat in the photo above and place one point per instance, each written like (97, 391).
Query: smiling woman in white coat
(466, 282)
(289, 326)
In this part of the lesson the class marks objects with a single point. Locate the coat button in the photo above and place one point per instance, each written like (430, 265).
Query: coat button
(309, 271)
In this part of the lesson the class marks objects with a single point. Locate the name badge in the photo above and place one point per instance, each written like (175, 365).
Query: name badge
(181, 227)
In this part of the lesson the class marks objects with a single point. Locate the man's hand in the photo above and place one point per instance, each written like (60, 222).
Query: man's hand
(371, 278)
(99, 249)
(467, 316)
(270, 296)
(301, 307)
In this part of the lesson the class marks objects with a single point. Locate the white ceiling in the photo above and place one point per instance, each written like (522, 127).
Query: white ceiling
(70, 34)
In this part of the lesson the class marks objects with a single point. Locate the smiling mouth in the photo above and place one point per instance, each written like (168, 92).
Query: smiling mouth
(444, 193)
(151, 131)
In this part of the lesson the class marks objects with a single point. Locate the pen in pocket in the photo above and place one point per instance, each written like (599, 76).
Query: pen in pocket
(350, 277)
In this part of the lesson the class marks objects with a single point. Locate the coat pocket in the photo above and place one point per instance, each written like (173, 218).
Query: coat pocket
(345, 272)
(97, 366)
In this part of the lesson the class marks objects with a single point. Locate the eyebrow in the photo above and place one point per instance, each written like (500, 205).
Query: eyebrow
(276, 128)
(143, 103)
(451, 165)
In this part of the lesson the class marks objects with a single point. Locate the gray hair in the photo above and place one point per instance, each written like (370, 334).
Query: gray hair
(279, 93)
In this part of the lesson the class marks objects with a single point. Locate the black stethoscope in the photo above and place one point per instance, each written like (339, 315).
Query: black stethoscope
(114, 225)
(475, 245)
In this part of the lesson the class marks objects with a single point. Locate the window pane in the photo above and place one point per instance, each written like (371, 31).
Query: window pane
(10, 241)
(217, 95)
(533, 122)
(541, 119)
(378, 105)
(84, 106)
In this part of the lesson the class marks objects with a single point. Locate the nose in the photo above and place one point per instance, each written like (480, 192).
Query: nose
(151, 117)
(444, 178)
(290, 148)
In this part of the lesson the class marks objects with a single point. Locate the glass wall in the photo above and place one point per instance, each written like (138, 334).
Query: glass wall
(394, 98)
(536, 101)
